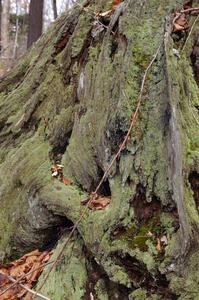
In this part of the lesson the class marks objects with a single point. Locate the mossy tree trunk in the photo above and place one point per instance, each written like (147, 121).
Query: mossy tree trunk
(69, 100)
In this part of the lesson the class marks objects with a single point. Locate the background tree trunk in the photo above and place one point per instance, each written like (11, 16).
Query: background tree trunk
(54, 4)
(5, 22)
(15, 47)
(35, 21)
(69, 101)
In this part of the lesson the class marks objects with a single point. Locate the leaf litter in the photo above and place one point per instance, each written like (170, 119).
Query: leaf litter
(19, 268)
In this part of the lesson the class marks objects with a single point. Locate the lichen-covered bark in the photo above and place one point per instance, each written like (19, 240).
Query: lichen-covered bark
(69, 100)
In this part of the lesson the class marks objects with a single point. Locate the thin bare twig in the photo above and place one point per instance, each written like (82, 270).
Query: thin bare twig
(133, 120)
(25, 287)
(92, 13)
(190, 32)
(192, 9)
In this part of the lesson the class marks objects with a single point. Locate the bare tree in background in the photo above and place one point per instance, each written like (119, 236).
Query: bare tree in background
(54, 4)
(17, 31)
(35, 21)
(5, 22)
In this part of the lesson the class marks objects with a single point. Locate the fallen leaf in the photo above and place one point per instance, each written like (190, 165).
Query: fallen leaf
(19, 267)
(17, 271)
(9, 295)
(55, 174)
(3, 279)
(100, 203)
(115, 3)
(66, 181)
(187, 4)
(108, 13)
(158, 246)
(178, 28)
(22, 292)
(28, 296)
(56, 169)
(180, 22)
(33, 253)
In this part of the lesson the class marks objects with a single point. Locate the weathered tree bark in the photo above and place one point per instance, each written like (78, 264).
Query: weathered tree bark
(35, 21)
(0, 21)
(5, 22)
(69, 100)
(54, 4)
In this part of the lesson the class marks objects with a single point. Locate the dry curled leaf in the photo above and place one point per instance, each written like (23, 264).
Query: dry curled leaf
(57, 172)
(96, 202)
(180, 22)
(19, 267)
(187, 4)
(66, 181)
(115, 3)
(108, 13)
(100, 203)
(158, 246)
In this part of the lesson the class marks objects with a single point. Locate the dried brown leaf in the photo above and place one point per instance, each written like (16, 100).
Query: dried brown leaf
(115, 3)
(17, 271)
(177, 27)
(9, 295)
(19, 267)
(23, 292)
(66, 181)
(3, 279)
(180, 22)
(100, 203)
(28, 296)
(158, 246)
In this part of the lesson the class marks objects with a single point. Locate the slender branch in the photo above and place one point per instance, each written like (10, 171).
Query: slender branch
(24, 287)
(190, 32)
(134, 119)
(193, 9)
(92, 13)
